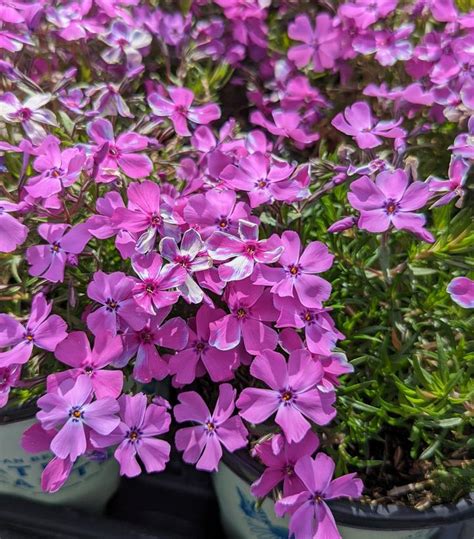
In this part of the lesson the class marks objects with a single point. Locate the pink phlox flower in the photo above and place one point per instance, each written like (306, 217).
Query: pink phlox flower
(49, 260)
(72, 22)
(250, 307)
(358, 122)
(12, 232)
(71, 407)
(142, 343)
(464, 143)
(310, 514)
(461, 290)
(74, 99)
(124, 41)
(178, 108)
(320, 45)
(100, 225)
(454, 186)
(280, 464)
(30, 114)
(245, 251)
(390, 201)
(118, 309)
(295, 275)
(122, 151)
(388, 46)
(75, 351)
(200, 356)
(202, 444)
(136, 435)
(293, 394)
(107, 100)
(366, 12)
(286, 124)
(9, 377)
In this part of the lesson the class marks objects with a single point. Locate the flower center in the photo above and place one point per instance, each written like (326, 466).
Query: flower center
(293, 270)
(391, 207)
(24, 114)
(76, 413)
(286, 396)
(183, 261)
(181, 109)
(223, 223)
(156, 220)
(55, 247)
(150, 288)
(111, 304)
(250, 249)
(308, 316)
(262, 184)
(317, 498)
(29, 337)
(289, 470)
(241, 313)
(88, 370)
(210, 426)
(113, 151)
(146, 336)
(133, 435)
(199, 347)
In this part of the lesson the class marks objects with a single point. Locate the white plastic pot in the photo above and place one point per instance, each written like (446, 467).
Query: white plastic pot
(89, 487)
(243, 519)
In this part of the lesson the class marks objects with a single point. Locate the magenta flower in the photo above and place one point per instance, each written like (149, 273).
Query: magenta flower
(296, 272)
(152, 292)
(320, 46)
(310, 515)
(388, 46)
(200, 356)
(121, 152)
(114, 291)
(76, 352)
(258, 176)
(215, 210)
(461, 290)
(245, 251)
(293, 394)
(49, 260)
(71, 407)
(124, 41)
(142, 342)
(280, 457)
(464, 143)
(41, 330)
(108, 101)
(9, 377)
(57, 169)
(100, 225)
(286, 124)
(390, 201)
(192, 257)
(320, 330)
(145, 215)
(366, 12)
(454, 186)
(180, 111)
(136, 436)
(12, 232)
(29, 114)
(250, 307)
(358, 122)
(202, 444)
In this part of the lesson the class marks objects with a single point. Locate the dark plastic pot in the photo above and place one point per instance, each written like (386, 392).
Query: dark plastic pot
(242, 519)
(89, 487)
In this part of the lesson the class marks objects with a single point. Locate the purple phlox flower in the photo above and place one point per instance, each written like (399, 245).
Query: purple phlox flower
(152, 291)
(191, 255)
(73, 99)
(72, 408)
(454, 186)
(136, 436)
(202, 444)
(343, 224)
(310, 514)
(200, 356)
(250, 307)
(366, 12)
(108, 101)
(320, 45)
(461, 290)
(122, 152)
(114, 292)
(467, 93)
(100, 225)
(178, 108)
(124, 41)
(295, 275)
(76, 352)
(293, 393)
(464, 143)
(35, 440)
(14, 41)
(9, 377)
(388, 46)
(245, 251)
(215, 210)
(72, 21)
(174, 28)
(320, 330)
(298, 93)
(142, 342)
(10, 13)
(280, 465)
(30, 114)
(146, 215)
(333, 365)
(285, 124)
(58, 169)
(358, 122)
(259, 176)
(48, 261)
(390, 201)
(12, 232)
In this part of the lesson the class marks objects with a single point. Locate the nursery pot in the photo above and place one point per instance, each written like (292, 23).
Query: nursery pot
(89, 487)
(243, 519)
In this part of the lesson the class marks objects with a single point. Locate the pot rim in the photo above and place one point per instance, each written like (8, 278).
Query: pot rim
(356, 514)
(14, 414)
